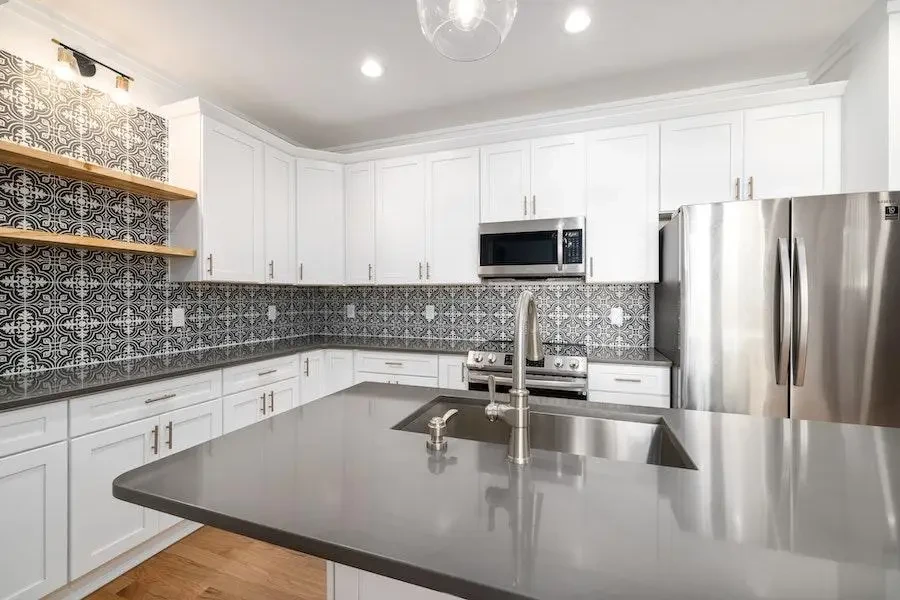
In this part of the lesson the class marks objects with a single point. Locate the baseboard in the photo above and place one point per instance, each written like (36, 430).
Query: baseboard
(90, 582)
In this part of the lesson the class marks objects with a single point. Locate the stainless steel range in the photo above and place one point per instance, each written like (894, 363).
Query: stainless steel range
(561, 374)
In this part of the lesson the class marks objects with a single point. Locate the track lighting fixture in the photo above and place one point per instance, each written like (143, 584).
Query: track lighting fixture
(65, 64)
(122, 95)
(69, 59)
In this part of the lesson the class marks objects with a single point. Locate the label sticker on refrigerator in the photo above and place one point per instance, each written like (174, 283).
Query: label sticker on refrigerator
(892, 212)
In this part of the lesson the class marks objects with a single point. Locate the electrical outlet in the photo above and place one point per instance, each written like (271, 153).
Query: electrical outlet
(273, 312)
(178, 317)
(351, 311)
(616, 316)
(429, 312)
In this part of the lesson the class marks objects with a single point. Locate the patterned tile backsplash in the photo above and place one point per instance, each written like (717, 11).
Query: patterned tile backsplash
(61, 307)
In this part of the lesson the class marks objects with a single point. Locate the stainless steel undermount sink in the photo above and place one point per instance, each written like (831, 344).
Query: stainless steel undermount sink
(627, 437)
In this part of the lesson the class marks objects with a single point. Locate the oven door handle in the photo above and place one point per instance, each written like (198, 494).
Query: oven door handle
(575, 384)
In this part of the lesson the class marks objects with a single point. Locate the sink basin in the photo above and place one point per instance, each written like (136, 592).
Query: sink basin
(624, 436)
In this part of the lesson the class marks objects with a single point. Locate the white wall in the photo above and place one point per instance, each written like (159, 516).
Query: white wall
(894, 98)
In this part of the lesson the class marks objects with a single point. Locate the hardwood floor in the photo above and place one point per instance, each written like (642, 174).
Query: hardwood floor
(214, 564)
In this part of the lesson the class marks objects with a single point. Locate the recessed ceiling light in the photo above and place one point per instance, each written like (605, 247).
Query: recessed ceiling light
(578, 20)
(372, 68)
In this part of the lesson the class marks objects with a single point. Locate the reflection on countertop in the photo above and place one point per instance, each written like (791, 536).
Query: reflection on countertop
(775, 509)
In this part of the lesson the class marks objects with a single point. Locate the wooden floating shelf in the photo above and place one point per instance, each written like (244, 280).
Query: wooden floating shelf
(55, 164)
(30, 236)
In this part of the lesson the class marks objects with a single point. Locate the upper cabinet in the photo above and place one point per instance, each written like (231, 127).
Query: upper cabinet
(623, 204)
(533, 179)
(359, 204)
(400, 220)
(280, 210)
(452, 209)
(777, 151)
(793, 149)
(701, 160)
(320, 218)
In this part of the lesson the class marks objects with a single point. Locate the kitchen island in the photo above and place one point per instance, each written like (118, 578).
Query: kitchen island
(773, 509)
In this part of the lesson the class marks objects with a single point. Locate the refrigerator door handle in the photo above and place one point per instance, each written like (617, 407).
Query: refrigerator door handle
(801, 320)
(785, 309)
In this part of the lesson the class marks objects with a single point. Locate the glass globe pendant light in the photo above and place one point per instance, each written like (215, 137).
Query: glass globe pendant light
(466, 30)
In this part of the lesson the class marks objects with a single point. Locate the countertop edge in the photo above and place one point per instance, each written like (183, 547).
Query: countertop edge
(366, 561)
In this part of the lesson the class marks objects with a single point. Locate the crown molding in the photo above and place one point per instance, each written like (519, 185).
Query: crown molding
(893, 6)
(861, 29)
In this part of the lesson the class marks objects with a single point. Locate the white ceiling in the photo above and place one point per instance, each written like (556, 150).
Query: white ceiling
(293, 65)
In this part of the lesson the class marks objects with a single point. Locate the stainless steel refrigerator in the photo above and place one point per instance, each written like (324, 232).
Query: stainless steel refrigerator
(787, 307)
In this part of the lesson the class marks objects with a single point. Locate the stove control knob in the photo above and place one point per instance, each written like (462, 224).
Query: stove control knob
(558, 363)
(478, 358)
(574, 363)
(491, 358)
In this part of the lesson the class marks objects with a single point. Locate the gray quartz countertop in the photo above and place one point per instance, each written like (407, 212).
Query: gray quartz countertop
(775, 509)
(628, 356)
(17, 391)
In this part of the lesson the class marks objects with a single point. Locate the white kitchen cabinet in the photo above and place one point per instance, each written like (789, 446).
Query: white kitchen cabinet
(359, 204)
(701, 160)
(505, 181)
(400, 220)
(103, 527)
(338, 370)
(452, 372)
(623, 204)
(636, 385)
(349, 583)
(557, 177)
(320, 223)
(280, 217)
(452, 209)
(33, 522)
(283, 396)
(243, 408)
(312, 376)
(793, 149)
(185, 428)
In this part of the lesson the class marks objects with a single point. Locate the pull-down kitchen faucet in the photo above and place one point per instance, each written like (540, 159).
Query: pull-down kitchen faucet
(526, 344)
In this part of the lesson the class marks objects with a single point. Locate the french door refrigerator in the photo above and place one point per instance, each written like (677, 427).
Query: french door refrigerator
(786, 307)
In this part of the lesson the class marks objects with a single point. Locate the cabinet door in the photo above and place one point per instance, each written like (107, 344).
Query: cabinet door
(557, 177)
(103, 527)
(281, 217)
(320, 230)
(338, 370)
(233, 214)
(33, 522)
(283, 396)
(185, 428)
(793, 149)
(312, 376)
(505, 182)
(243, 408)
(623, 204)
(400, 220)
(360, 231)
(701, 160)
(451, 188)
(453, 373)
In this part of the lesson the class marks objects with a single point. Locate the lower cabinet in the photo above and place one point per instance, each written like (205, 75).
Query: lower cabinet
(637, 385)
(33, 522)
(403, 368)
(338, 370)
(248, 407)
(452, 372)
(312, 376)
(353, 584)
(103, 527)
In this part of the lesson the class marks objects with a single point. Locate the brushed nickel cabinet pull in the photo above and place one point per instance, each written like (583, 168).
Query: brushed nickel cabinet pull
(210, 268)
(462, 372)
(155, 445)
(169, 430)
(533, 205)
(269, 372)
(160, 398)
(271, 269)
(392, 363)
(592, 266)
(263, 398)
(737, 188)
(420, 271)
(750, 188)
(525, 205)
(272, 402)
(306, 367)
(626, 380)
(370, 271)
(301, 271)
(427, 270)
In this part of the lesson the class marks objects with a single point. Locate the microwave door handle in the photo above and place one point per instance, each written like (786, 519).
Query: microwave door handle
(559, 247)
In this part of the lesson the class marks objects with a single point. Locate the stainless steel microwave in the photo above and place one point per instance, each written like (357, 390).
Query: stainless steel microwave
(536, 248)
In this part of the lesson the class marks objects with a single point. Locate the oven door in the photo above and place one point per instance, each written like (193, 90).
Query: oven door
(538, 248)
(538, 385)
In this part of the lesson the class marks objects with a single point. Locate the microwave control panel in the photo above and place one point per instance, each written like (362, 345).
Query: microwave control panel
(573, 246)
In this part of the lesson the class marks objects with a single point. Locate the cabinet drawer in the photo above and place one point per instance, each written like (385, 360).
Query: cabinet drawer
(264, 372)
(398, 379)
(34, 426)
(631, 379)
(632, 399)
(421, 365)
(99, 411)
